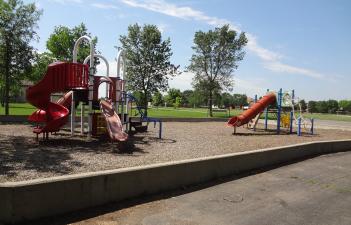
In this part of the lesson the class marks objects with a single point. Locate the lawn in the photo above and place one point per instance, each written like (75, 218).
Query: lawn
(162, 112)
(189, 113)
(19, 109)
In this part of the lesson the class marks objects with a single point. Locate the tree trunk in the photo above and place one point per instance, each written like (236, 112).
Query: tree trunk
(7, 79)
(2, 93)
(144, 102)
(210, 104)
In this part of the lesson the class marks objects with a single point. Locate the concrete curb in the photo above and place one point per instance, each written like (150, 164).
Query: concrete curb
(28, 200)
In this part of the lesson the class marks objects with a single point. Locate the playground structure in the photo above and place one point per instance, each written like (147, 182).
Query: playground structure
(285, 112)
(81, 87)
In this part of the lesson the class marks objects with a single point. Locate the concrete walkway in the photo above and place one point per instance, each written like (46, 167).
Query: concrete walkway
(316, 192)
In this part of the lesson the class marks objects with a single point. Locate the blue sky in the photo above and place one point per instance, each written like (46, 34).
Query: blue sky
(293, 44)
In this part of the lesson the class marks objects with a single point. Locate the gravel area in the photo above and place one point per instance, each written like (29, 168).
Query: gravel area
(22, 158)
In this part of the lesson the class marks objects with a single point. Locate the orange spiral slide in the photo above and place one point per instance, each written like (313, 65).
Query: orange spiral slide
(249, 114)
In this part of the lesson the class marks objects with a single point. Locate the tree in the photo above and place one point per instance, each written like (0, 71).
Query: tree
(303, 104)
(61, 43)
(177, 102)
(312, 106)
(186, 95)
(18, 22)
(148, 56)
(227, 100)
(322, 107)
(333, 106)
(39, 67)
(240, 99)
(345, 105)
(157, 99)
(197, 99)
(172, 94)
(217, 53)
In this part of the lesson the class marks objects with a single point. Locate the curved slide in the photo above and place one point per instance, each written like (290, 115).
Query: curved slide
(60, 76)
(55, 115)
(255, 109)
(113, 122)
(39, 116)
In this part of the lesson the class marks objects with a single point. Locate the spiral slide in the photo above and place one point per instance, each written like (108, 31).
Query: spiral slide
(58, 78)
(249, 114)
(113, 122)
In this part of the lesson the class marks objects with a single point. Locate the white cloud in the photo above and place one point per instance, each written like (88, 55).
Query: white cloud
(183, 81)
(64, 2)
(162, 27)
(280, 67)
(271, 59)
(103, 6)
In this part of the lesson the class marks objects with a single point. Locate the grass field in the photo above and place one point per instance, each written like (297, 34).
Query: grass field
(27, 109)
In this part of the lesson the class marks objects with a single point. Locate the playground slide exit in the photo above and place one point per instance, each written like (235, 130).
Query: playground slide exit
(113, 122)
(255, 109)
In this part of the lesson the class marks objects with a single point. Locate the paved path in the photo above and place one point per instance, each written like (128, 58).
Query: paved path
(330, 124)
(315, 192)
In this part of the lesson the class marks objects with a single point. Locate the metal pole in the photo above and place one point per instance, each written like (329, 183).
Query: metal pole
(82, 118)
(266, 116)
(160, 131)
(312, 126)
(91, 76)
(279, 109)
(299, 127)
(291, 121)
(73, 114)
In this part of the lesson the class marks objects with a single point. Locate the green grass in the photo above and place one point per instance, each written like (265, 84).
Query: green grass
(19, 109)
(188, 113)
(162, 112)
(326, 116)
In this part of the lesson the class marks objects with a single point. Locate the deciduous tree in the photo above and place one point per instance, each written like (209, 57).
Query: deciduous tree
(148, 55)
(18, 22)
(216, 56)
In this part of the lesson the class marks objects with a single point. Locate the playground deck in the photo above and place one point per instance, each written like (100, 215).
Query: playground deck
(22, 158)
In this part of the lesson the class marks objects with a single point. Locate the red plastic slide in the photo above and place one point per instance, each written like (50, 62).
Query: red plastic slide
(113, 122)
(59, 77)
(249, 114)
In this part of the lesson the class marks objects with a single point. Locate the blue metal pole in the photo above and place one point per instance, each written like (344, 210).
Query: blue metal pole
(293, 96)
(266, 116)
(291, 121)
(160, 130)
(279, 109)
(255, 98)
(299, 127)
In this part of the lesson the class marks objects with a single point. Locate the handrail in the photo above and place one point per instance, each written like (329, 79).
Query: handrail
(106, 63)
(121, 60)
(76, 47)
(107, 80)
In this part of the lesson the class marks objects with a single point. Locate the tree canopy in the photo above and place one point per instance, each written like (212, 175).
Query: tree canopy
(61, 42)
(18, 22)
(216, 56)
(148, 56)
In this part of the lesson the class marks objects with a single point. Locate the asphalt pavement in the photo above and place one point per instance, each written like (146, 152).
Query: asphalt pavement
(316, 191)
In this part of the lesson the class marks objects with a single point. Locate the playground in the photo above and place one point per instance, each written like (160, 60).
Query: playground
(84, 129)
(77, 128)
(23, 158)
